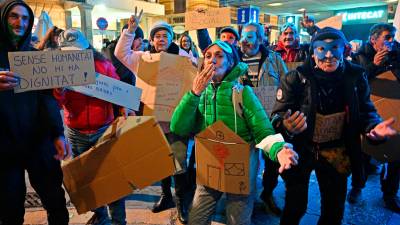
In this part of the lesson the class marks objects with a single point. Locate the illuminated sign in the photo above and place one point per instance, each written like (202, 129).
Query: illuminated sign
(364, 15)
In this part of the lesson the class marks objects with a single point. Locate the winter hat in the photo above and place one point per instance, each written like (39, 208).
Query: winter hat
(328, 33)
(161, 25)
(72, 39)
(230, 30)
(138, 31)
(227, 48)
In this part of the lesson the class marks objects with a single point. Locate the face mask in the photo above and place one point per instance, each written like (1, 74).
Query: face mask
(321, 48)
(250, 37)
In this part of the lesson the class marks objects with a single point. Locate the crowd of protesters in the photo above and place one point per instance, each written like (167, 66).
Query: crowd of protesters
(330, 81)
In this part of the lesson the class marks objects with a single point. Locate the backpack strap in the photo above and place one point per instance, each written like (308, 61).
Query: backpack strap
(237, 99)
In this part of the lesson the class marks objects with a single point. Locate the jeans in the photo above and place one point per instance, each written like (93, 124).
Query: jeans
(80, 143)
(238, 207)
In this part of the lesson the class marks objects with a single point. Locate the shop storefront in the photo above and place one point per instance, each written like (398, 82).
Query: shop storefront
(357, 22)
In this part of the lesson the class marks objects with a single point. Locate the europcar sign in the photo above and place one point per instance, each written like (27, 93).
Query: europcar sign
(364, 15)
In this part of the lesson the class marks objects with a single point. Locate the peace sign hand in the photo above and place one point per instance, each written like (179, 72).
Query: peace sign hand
(134, 21)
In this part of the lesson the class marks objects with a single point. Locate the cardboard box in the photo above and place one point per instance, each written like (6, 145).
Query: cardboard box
(164, 79)
(132, 153)
(385, 94)
(222, 160)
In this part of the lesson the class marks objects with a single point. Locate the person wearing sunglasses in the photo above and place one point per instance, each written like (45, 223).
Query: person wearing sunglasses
(211, 98)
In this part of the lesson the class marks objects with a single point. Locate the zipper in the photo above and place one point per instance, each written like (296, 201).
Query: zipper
(214, 98)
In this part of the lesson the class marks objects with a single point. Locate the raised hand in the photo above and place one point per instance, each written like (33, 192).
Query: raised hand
(8, 80)
(134, 21)
(287, 157)
(383, 130)
(202, 79)
(295, 123)
(308, 21)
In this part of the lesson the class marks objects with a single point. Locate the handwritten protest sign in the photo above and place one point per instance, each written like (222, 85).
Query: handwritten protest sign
(267, 97)
(164, 79)
(222, 160)
(52, 69)
(208, 18)
(112, 90)
(334, 21)
(328, 127)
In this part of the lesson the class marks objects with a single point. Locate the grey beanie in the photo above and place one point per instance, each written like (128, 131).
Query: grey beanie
(161, 25)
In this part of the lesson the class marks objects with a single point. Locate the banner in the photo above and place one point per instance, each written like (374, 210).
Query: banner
(208, 18)
(52, 69)
(112, 90)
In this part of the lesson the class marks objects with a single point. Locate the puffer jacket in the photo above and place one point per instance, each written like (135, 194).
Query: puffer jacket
(27, 118)
(298, 53)
(194, 113)
(84, 113)
(298, 92)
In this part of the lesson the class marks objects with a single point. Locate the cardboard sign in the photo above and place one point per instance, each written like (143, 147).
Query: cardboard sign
(52, 69)
(222, 160)
(112, 90)
(328, 127)
(385, 94)
(132, 153)
(334, 21)
(267, 97)
(208, 18)
(293, 65)
(164, 79)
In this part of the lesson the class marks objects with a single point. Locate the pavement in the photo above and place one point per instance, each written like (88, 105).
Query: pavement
(369, 211)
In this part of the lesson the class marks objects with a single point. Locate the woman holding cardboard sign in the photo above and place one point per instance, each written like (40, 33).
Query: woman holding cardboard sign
(211, 99)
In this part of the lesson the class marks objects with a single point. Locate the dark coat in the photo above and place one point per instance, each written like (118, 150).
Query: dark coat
(365, 58)
(299, 92)
(31, 118)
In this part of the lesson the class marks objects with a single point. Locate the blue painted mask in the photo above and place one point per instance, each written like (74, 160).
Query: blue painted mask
(250, 37)
(321, 48)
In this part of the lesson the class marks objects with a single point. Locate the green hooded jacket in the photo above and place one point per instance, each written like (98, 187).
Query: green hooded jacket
(194, 113)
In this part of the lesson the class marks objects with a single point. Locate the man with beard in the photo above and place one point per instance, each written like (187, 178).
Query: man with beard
(265, 69)
(326, 93)
(161, 35)
(31, 132)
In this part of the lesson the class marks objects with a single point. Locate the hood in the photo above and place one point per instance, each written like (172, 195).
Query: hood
(239, 70)
(5, 39)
